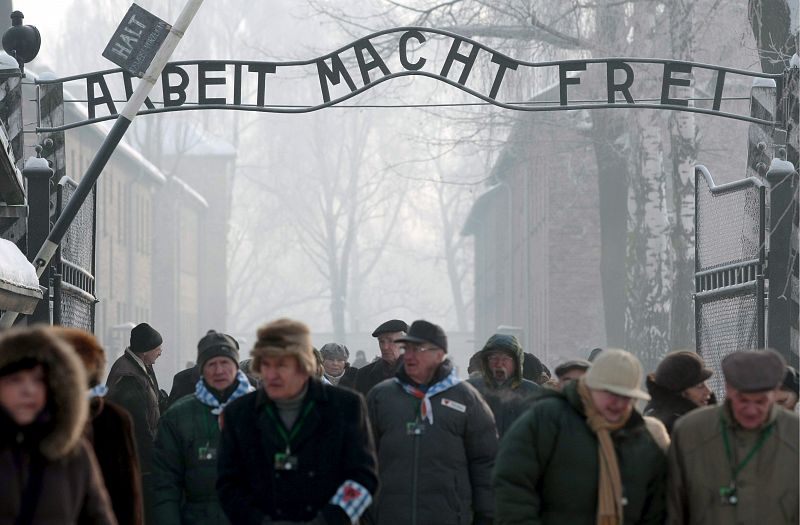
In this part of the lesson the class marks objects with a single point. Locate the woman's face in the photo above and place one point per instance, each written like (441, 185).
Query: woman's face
(23, 394)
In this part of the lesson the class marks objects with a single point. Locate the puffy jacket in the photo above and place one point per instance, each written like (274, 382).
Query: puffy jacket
(546, 470)
(185, 466)
(442, 475)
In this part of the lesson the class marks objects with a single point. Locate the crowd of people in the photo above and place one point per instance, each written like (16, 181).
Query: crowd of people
(292, 434)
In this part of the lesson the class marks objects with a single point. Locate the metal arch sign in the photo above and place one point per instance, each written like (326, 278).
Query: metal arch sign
(274, 87)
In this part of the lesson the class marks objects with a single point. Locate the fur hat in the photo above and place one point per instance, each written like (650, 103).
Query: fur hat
(65, 380)
(284, 337)
(681, 370)
(88, 349)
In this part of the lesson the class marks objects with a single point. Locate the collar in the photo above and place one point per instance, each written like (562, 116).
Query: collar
(136, 359)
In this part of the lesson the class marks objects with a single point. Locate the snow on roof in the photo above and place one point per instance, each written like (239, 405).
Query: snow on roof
(19, 286)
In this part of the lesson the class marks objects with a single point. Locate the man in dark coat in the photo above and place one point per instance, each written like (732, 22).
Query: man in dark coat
(678, 386)
(583, 455)
(501, 383)
(295, 450)
(435, 437)
(385, 367)
(132, 384)
(334, 361)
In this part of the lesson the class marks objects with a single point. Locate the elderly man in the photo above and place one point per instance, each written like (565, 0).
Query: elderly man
(385, 367)
(737, 462)
(569, 371)
(501, 383)
(132, 384)
(583, 455)
(185, 459)
(295, 450)
(435, 437)
(334, 361)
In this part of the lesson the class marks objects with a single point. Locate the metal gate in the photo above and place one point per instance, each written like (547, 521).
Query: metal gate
(729, 269)
(73, 285)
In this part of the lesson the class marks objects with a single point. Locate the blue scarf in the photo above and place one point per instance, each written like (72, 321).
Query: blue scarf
(425, 407)
(203, 395)
(98, 391)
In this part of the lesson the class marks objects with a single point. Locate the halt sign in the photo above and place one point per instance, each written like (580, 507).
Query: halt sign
(136, 40)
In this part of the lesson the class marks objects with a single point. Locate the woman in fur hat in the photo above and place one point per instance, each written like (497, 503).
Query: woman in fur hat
(109, 430)
(48, 472)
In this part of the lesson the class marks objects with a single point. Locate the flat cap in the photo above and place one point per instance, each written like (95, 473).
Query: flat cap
(575, 364)
(754, 371)
(395, 325)
(422, 331)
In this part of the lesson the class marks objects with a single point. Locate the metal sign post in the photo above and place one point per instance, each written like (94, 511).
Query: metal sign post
(153, 71)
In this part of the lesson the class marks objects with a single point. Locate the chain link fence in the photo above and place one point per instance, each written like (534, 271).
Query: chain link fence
(729, 269)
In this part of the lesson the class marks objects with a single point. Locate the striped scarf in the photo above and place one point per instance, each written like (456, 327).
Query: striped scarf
(425, 407)
(202, 393)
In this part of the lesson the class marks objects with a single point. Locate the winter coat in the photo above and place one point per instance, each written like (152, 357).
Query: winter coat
(375, 372)
(110, 431)
(440, 476)
(348, 379)
(666, 405)
(767, 488)
(183, 384)
(546, 470)
(332, 446)
(132, 388)
(534, 370)
(185, 466)
(507, 401)
(52, 448)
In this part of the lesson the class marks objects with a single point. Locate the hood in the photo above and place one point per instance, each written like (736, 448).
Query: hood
(66, 385)
(508, 344)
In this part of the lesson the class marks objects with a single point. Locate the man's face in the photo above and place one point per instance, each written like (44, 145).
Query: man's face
(613, 407)
(501, 365)
(149, 357)
(283, 377)
(787, 399)
(220, 372)
(569, 376)
(421, 361)
(750, 410)
(23, 394)
(390, 350)
(698, 394)
(333, 366)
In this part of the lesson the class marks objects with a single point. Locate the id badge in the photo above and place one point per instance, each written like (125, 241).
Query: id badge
(727, 496)
(206, 453)
(414, 428)
(285, 461)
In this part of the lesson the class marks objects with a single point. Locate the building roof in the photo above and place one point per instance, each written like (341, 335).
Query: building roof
(19, 286)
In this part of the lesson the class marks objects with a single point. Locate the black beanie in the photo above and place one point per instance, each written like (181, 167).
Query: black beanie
(216, 344)
(144, 338)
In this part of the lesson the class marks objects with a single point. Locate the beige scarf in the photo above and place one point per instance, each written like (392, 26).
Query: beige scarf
(609, 483)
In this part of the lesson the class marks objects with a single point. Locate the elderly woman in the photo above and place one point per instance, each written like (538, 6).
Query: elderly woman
(295, 450)
(678, 386)
(48, 472)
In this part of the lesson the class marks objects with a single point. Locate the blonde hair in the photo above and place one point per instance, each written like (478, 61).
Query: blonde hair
(284, 337)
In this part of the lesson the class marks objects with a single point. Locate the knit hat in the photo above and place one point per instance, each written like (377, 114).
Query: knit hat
(144, 338)
(334, 351)
(681, 370)
(216, 344)
(284, 337)
(618, 372)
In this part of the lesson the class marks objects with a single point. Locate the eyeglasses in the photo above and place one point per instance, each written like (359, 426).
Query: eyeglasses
(418, 348)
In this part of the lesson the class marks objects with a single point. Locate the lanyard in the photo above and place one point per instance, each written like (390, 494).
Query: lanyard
(736, 469)
(288, 437)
